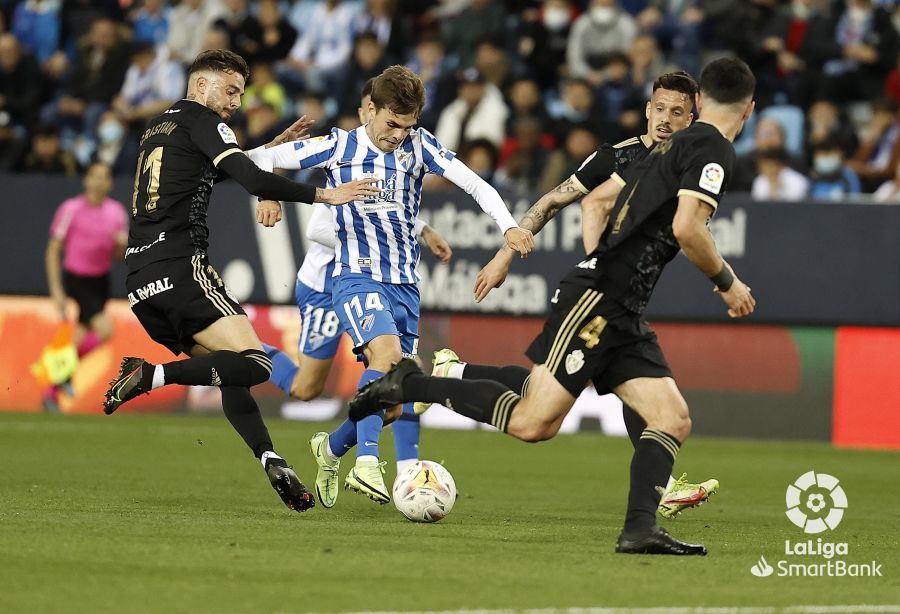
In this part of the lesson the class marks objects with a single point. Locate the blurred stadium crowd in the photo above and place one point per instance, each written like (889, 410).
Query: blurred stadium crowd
(524, 90)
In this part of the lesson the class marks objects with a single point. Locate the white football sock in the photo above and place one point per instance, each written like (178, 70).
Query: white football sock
(456, 370)
(366, 458)
(266, 456)
(159, 377)
(670, 483)
(329, 453)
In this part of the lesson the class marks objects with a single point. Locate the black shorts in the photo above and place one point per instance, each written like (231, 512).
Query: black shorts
(176, 299)
(90, 293)
(590, 338)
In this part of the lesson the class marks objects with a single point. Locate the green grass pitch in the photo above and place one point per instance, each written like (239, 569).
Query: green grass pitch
(171, 514)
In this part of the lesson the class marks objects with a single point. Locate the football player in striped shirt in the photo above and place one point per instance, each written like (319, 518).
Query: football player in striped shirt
(320, 332)
(376, 251)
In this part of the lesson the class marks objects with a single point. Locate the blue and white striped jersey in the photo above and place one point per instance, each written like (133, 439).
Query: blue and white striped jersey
(374, 237)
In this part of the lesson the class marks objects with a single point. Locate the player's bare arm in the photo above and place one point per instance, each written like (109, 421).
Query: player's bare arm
(438, 245)
(692, 233)
(545, 209)
(595, 210)
(52, 261)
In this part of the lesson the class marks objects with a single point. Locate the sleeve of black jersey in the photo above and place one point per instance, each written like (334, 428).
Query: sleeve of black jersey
(265, 185)
(707, 165)
(596, 169)
(214, 138)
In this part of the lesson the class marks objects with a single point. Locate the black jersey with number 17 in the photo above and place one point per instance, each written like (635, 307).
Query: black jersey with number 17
(638, 241)
(176, 168)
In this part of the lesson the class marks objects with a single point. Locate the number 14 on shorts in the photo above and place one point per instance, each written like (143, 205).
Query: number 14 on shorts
(357, 308)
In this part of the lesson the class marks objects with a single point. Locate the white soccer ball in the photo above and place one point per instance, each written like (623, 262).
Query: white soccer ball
(424, 492)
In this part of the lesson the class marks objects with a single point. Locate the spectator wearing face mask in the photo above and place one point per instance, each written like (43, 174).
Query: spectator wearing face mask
(776, 180)
(542, 44)
(831, 178)
(603, 29)
(111, 145)
(824, 123)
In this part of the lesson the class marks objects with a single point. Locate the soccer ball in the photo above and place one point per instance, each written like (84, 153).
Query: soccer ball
(424, 492)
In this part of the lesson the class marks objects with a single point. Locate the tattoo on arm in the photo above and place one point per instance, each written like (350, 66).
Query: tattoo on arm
(549, 205)
(320, 194)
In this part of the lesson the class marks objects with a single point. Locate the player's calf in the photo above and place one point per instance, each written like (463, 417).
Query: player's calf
(221, 368)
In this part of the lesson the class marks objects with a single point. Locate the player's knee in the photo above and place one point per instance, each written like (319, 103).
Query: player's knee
(679, 421)
(383, 352)
(259, 364)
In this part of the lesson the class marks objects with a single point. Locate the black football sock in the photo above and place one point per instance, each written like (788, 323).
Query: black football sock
(242, 411)
(221, 368)
(481, 400)
(512, 376)
(651, 467)
(634, 424)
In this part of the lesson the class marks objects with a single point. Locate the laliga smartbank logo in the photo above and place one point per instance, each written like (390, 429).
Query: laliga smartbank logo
(816, 503)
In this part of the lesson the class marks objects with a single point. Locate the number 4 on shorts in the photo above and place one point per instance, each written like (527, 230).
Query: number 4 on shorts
(591, 332)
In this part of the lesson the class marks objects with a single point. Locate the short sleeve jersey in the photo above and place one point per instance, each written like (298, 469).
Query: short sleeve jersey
(89, 234)
(609, 161)
(638, 241)
(176, 168)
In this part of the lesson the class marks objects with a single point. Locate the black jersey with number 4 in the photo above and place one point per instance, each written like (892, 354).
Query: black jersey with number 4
(176, 167)
(638, 241)
(610, 161)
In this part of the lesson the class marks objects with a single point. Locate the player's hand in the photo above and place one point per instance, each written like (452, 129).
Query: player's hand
(492, 275)
(295, 132)
(268, 212)
(437, 244)
(738, 298)
(520, 240)
(359, 189)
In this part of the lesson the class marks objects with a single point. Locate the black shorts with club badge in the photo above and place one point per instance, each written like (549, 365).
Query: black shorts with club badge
(589, 338)
(177, 298)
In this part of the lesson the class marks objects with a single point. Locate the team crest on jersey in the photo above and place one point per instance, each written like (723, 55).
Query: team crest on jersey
(574, 362)
(227, 134)
(367, 322)
(405, 159)
(712, 177)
